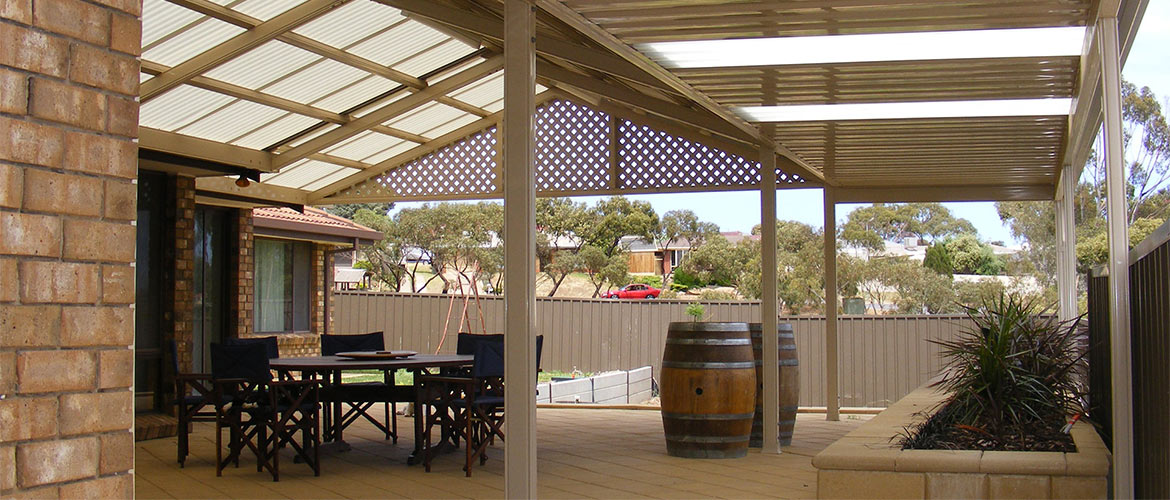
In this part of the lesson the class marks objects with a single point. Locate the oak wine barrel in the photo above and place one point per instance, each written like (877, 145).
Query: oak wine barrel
(789, 367)
(708, 389)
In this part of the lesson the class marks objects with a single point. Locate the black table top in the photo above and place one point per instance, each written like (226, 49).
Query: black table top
(332, 363)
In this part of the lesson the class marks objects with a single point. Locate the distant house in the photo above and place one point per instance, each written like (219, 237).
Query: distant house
(646, 258)
(913, 249)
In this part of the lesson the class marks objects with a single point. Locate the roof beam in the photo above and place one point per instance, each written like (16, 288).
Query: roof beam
(272, 192)
(599, 35)
(237, 45)
(247, 22)
(904, 194)
(194, 147)
(494, 29)
(376, 117)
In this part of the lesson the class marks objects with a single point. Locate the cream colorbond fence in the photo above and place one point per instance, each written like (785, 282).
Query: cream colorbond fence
(882, 357)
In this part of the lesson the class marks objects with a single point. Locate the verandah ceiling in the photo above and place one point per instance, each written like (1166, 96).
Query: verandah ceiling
(324, 95)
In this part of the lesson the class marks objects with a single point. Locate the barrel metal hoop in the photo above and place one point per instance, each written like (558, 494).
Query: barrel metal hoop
(683, 438)
(707, 416)
(690, 365)
(782, 362)
(680, 341)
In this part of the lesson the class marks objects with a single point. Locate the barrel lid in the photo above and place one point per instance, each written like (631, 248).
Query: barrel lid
(708, 326)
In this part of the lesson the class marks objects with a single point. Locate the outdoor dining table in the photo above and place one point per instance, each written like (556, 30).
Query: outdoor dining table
(331, 368)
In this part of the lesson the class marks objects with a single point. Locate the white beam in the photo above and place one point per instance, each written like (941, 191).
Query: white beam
(519, 248)
(768, 298)
(1066, 277)
(832, 393)
(1118, 232)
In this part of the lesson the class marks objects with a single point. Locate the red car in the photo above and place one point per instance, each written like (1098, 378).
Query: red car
(634, 291)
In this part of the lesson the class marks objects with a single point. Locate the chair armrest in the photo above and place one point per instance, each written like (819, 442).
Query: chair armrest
(294, 383)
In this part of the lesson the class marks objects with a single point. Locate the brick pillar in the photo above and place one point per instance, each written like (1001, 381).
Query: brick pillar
(243, 267)
(182, 312)
(317, 296)
(68, 79)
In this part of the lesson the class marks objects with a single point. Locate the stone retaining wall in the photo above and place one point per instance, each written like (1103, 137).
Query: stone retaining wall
(620, 387)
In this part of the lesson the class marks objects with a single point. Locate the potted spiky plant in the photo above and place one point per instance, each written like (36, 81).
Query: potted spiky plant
(998, 422)
(1012, 379)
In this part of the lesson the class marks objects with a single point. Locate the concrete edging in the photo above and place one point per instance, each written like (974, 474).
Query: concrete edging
(867, 464)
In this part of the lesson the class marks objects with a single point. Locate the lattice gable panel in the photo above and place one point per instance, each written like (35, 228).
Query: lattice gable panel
(579, 150)
(466, 169)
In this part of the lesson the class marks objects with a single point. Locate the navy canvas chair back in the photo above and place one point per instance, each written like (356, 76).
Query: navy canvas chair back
(539, 348)
(466, 342)
(247, 361)
(489, 359)
(333, 344)
(270, 345)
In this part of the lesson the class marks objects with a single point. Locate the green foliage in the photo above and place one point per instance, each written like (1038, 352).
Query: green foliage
(714, 295)
(971, 256)
(349, 210)
(602, 269)
(616, 217)
(677, 225)
(669, 294)
(939, 260)
(684, 280)
(716, 262)
(868, 227)
(1013, 368)
(1094, 250)
(650, 279)
(695, 310)
(975, 293)
(920, 290)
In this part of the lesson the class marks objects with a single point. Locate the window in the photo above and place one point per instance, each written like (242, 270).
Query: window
(282, 286)
(676, 256)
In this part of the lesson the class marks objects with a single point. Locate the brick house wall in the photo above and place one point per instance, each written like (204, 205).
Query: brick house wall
(182, 257)
(68, 117)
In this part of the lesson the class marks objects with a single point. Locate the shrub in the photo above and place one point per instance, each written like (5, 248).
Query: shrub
(1010, 378)
(649, 279)
(685, 280)
(716, 295)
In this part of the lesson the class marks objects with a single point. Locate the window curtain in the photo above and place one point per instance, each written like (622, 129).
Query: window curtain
(270, 286)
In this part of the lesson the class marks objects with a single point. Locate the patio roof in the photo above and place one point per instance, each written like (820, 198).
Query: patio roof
(327, 97)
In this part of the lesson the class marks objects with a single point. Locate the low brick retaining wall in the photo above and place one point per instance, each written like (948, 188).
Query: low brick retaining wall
(866, 463)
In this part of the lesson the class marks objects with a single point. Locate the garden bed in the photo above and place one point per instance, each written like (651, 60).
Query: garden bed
(870, 463)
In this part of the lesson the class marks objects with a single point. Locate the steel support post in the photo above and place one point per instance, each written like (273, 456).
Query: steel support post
(519, 248)
(832, 391)
(1118, 232)
(768, 303)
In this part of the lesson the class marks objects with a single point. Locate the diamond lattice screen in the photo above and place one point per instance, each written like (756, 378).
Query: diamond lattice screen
(572, 148)
(573, 156)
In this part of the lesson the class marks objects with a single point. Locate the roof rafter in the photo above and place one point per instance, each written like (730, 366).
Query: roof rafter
(380, 115)
(303, 42)
(237, 45)
(494, 29)
(194, 147)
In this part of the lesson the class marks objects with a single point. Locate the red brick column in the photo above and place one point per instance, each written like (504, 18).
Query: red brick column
(243, 269)
(68, 77)
(182, 301)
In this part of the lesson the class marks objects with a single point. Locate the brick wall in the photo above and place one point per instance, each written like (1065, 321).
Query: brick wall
(68, 117)
(182, 314)
(243, 267)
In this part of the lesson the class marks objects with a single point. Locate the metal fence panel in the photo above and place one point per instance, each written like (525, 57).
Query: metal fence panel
(882, 357)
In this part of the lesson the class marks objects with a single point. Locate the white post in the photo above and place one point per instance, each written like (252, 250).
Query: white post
(1118, 232)
(832, 392)
(519, 249)
(1066, 265)
(768, 303)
